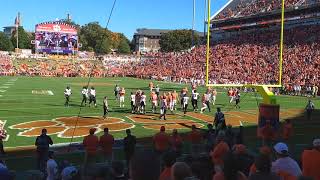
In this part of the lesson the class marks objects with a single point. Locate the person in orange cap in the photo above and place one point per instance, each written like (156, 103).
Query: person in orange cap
(219, 151)
(90, 144)
(161, 141)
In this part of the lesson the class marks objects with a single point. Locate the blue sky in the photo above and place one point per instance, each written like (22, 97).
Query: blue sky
(127, 17)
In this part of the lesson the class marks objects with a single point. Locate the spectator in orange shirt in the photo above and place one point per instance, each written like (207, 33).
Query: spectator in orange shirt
(195, 137)
(311, 161)
(90, 144)
(169, 159)
(287, 129)
(161, 141)
(176, 142)
(106, 142)
(219, 151)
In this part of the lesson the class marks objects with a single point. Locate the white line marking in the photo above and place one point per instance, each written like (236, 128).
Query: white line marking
(4, 87)
(2, 91)
(50, 93)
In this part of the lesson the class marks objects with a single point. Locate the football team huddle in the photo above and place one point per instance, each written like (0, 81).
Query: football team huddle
(164, 101)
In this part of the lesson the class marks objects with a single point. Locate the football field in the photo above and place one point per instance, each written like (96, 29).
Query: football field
(28, 104)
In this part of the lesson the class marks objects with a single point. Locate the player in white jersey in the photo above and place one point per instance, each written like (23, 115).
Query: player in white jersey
(154, 101)
(92, 97)
(143, 103)
(213, 96)
(105, 107)
(163, 107)
(185, 100)
(204, 104)
(133, 102)
(122, 93)
(67, 94)
(84, 93)
(194, 100)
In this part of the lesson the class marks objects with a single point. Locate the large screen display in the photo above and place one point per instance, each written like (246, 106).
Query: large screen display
(56, 38)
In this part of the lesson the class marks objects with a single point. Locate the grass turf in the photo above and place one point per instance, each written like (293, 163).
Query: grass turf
(18, 104)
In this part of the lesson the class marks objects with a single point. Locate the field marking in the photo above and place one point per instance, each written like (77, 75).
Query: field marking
(42, 92)
(4, 87)
(60, 124)
(47, 115)
(2, 91)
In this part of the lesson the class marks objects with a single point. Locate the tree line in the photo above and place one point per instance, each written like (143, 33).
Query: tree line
(95, 38)
(92, 36)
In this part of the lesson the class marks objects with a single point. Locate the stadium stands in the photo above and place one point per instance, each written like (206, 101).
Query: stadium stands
(241, 8)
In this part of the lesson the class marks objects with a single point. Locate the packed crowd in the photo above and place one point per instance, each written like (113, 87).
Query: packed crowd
(214, 154)
(247, 8)
(250, 57)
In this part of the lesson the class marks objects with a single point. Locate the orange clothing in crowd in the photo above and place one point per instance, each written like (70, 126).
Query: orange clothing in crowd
(161, 141)
(311, 163)
(195, 137)
(174, 96)
(90, 144)
(286, 176)
(106, 142)
(218, 153)
(267, 132)
(287, 130)
(220, 176)
(165, 174)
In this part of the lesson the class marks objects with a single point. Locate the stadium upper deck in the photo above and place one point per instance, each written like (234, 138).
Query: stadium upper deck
(241, 8)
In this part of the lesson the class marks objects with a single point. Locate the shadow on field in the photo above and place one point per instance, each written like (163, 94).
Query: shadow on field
(304, 133)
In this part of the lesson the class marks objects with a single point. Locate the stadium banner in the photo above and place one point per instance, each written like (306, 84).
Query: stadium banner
(56, 38)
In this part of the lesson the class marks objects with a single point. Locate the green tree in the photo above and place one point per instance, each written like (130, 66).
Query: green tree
(177, 40)
(94, 37)
(124, 46)
(103, 46)
(23, 37)
(5, 43)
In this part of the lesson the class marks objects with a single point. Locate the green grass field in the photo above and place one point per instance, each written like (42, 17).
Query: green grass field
(18, 104)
